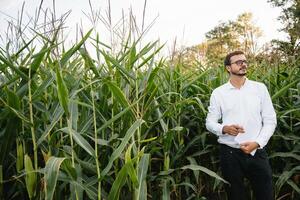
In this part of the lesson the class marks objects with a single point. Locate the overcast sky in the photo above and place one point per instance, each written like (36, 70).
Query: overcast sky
(187, 20)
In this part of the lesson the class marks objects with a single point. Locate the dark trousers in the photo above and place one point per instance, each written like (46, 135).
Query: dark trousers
(236, 165)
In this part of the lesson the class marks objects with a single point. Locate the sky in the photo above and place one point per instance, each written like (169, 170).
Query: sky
(187, 21)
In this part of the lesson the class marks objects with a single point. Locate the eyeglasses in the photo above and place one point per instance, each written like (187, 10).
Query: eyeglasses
(240, 62)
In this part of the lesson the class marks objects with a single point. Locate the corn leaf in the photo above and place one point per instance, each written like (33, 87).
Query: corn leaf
(51, 174)
(80, 140)
(141, 192)
(205, 170)
(30, 178)
(118, 183)
(62, 90)
(66, 56)
(116, 154)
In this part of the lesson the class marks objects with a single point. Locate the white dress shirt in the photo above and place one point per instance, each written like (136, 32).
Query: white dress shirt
(250, 107)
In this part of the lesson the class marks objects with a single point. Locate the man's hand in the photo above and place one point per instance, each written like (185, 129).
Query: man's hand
(248, 147)
(233, 129)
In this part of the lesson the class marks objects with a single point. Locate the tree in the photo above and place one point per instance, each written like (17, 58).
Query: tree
(240, 34)
(290, 18)
(227, 36)
(248, 33)
(220, 40)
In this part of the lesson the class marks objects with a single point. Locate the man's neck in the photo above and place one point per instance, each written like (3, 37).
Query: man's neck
(237, 81)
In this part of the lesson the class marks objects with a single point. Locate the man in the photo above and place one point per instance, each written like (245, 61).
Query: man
(241, 114)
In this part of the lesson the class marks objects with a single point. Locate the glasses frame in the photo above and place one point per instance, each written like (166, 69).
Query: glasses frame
(240, 62)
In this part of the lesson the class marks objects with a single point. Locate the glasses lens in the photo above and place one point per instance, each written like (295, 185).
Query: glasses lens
(240, 62)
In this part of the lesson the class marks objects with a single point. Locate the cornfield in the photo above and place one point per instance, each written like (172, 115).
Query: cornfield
(125, 124)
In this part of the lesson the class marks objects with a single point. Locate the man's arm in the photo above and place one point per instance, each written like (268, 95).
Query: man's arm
(268, 119)
(213, 116)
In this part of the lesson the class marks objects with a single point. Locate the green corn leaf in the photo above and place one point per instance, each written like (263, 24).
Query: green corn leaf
(146, 49)
(44, 85)
(201, 106)
(26, 45)
(74, 115)
(56, 115)
(12, 99)
(285, 155)
(132, 174)
(80, 141)
(116, 117)
(151, 98)
(128, 153)
(51, 174)
(67, 166)
(203, 74)
(90, 191)
(15, 112)
(148, 140)
(141, 192)
(285, 176)
(153, 74)
(188, 185)
(62, 90)
(38, 58)
(12, 124)
(30, 178)
(196, 172)
(20, 156)
(118, 183)
(89, 61)
(283, 90)
(14, 68)
(116, 64)
(130, 170)
(161, 120)
(166, 190)
(116, 154)
(66, 56)
(205, 170)
(132, 57)
(294, 186)
(287, 137)
(150, 56)
(119, 96)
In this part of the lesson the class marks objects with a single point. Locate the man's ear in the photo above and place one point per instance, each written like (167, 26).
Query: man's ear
(228, 68)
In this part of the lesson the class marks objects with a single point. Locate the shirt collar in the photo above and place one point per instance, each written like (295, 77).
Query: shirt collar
(230, 86)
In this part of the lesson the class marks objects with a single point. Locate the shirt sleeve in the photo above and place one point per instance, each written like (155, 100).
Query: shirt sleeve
(213, 116)
(268, 119)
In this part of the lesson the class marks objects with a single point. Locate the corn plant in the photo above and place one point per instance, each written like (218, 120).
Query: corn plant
(125, 123)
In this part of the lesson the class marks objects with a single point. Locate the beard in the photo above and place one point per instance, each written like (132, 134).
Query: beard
(238, 73)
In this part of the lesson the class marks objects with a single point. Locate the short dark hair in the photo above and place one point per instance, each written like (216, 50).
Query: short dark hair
(228, 57)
